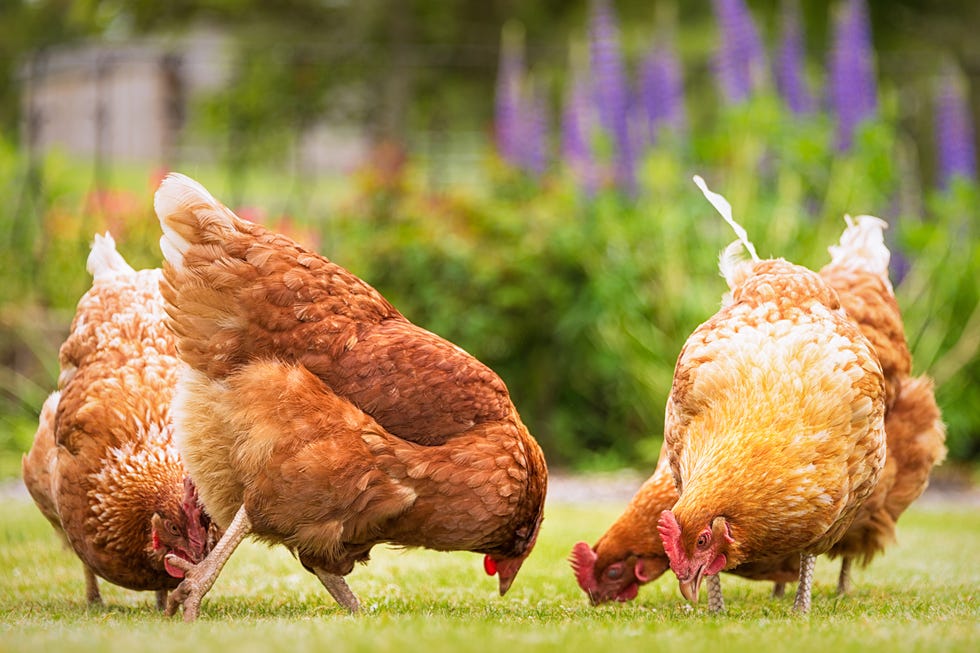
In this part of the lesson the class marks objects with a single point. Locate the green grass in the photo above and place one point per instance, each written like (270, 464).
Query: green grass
(922, 595)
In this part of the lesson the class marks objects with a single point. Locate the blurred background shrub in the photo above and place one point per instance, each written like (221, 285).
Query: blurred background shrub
(562, 242)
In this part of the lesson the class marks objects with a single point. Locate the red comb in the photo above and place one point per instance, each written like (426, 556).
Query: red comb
(489, 565)
(583, 560)
(670, 533)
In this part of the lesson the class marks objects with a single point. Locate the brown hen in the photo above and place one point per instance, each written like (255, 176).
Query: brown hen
(313, 414)
(103, 468)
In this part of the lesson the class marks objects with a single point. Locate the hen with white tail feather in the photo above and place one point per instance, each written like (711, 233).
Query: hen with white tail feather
(312, 413)
(774, 428)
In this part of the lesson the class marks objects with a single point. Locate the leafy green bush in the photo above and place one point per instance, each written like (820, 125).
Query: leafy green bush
(581, 302)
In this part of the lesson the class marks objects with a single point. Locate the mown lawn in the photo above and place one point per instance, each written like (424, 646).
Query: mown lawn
(923, 595)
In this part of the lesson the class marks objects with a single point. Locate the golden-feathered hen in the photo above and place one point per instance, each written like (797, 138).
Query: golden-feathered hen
(914, 430)
(631, 553)
(103, 468)
(774, 425)
(313, 414)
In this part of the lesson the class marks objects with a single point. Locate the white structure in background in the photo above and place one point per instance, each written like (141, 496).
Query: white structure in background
(128, 102)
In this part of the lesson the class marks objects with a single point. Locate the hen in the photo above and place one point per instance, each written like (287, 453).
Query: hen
(103, 468)
(630, 553)
(774, 425)
(313, 414)
(914, 430)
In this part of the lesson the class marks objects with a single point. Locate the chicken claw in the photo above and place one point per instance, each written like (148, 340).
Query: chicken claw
(199, 578)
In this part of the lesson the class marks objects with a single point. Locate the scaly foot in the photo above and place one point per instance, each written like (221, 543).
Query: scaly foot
(844, 582)
(339, 590)
(716, 601)
(802, 602)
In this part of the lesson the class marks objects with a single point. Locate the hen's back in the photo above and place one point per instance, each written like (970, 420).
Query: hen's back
(240, 293)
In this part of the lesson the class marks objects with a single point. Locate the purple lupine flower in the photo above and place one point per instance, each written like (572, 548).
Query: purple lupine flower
(954, 131)
(853, 89)
(508, 110)
(740, 60)
(789, 61)
(533, 152)
(576, 127)
(661, 92)
(611, 90)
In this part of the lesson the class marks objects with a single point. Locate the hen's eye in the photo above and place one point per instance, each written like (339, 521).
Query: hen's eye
(703, 540)
(614, 573)
(172, 528)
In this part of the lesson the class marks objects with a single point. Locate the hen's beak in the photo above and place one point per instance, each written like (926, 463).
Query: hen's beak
(689, 587)
(507, 571)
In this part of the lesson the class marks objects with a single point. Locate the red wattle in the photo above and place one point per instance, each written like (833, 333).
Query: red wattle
(716, 565)
(489, 566)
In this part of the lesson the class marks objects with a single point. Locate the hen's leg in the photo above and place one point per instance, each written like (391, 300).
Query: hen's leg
(161, 600)
(716, 602)
(338, 589)
(200, 577)
(844, 582)
(92, 594)
(802, 602)
(778, 590)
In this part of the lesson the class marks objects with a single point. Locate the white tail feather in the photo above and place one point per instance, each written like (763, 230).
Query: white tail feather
(725, 209)
(179, 193)
(862, 245)
(104, 260)
(733, 264)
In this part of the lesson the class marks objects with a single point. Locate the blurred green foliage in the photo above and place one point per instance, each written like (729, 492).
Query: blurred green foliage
(580, 302)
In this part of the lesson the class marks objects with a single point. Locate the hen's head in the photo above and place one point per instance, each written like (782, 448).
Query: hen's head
(607, 573)
(186, 532)
(695, 552)
(506, 566)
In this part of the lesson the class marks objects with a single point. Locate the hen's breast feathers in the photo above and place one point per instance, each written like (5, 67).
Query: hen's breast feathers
(779, 378)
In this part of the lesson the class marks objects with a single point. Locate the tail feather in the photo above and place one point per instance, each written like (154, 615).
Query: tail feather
(725, 209)
(862, 246)
(187, 213)
(104, 261)
(734, 267)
